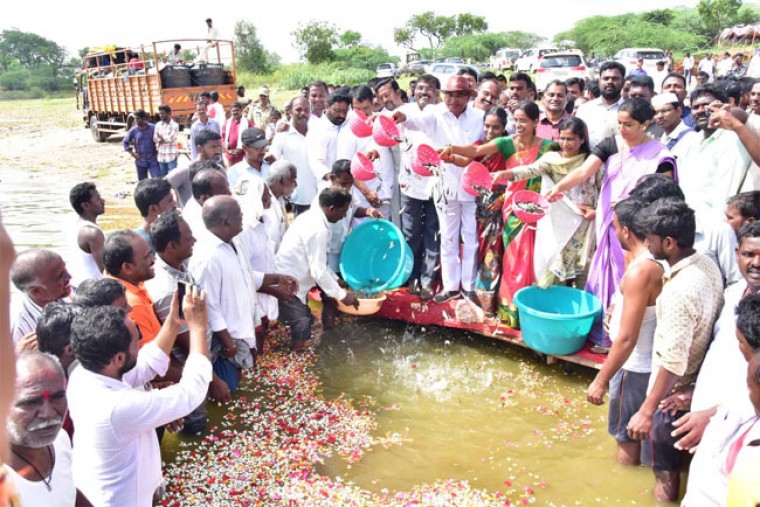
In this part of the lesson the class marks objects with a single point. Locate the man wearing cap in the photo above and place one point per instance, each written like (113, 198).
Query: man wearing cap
(139, 143)
(677, 136)
(254, 147)
(261, 109)
(453, 122)
(232, 134)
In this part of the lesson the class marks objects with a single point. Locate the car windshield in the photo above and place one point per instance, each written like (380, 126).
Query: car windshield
(650, 55)
(558, 61)
(512, 54)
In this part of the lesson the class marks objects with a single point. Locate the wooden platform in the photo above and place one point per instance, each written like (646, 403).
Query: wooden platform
(401, 305)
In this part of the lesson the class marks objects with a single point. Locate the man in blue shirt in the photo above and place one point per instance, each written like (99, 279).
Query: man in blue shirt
(139, 143)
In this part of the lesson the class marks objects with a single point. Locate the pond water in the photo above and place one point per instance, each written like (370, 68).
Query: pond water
(470, 408)
(459, 407)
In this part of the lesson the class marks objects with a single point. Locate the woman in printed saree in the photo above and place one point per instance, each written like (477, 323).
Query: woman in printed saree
(564, 238)
(522, 148)
(626, 157)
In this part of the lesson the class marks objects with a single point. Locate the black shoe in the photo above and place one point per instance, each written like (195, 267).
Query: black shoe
(470, 295)
(442, 297)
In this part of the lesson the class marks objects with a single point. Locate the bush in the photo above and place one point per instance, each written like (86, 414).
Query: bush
(14, 80)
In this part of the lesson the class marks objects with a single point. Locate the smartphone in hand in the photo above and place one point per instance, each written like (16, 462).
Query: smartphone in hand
(181, 290)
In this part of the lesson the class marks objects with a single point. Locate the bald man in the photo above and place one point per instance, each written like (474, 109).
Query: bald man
(42, 277)
(221, 266)
(206, 184)
(40, 459)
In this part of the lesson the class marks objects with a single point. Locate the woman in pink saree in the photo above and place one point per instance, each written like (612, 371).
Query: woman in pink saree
(627, 157)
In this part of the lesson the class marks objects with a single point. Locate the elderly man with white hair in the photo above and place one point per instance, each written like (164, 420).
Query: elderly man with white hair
(282, 181)
(40, 461)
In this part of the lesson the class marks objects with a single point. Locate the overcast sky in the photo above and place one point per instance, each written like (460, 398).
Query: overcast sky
(81, 23)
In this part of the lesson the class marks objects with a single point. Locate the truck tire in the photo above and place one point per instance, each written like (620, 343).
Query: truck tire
(95, 130)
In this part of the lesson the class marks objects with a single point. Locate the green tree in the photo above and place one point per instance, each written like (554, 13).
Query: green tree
(250, 54)
(436, 29)
(659, 16)
(316, 41)
(718, 14)
(467, 24)
(349, 39)
(30, 50)
(478, 47)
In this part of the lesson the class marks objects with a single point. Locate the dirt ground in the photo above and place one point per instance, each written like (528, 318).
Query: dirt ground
(50, 136)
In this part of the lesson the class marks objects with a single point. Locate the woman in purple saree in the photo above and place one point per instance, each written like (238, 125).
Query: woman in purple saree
(627, 157)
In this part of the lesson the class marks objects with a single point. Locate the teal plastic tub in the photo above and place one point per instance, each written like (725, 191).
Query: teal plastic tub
(375, 257)
(556, 320)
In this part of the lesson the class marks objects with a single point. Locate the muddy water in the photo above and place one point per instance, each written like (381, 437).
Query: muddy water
(466, 407)
(478, 410)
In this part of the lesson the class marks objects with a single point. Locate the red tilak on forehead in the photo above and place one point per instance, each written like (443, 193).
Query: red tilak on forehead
(46, 394)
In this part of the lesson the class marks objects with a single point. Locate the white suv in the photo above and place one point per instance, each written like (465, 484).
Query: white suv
(562, 66)
(387, 70)
(629, 56)
(531, 58)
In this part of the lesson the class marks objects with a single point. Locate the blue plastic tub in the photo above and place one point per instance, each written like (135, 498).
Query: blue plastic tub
(375, 257)
(556, 320)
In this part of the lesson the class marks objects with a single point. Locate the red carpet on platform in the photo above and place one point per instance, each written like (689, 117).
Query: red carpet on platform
(401, 305)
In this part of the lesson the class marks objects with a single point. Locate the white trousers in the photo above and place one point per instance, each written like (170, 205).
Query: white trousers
(457, 220)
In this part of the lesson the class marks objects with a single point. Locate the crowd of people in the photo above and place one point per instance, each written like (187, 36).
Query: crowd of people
(654, 206)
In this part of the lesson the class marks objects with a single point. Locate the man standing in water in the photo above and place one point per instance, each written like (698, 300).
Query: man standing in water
(691, 298)
(631, 326)
(86, 238)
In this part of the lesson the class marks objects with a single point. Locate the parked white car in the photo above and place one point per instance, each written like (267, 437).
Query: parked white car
(504, 59)
(387, 70)
(629, 56)
(529, 60)
(561, 65)
(445, 70)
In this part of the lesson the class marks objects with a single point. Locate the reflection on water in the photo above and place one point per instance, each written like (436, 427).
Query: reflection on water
(474, 409)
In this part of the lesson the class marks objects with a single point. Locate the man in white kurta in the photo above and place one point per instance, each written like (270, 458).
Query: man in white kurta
(117, 460)
(453, 122)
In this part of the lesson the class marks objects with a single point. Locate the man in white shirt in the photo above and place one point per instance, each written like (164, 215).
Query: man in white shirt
(453, 122)
(322, 137)
(735, 425)
(282, 181)
(220, 265)
(716, 167)
(254, 146)
(303, 254)
(117, 460)
(677, 136)
(39, 464)
(291, 145)
(600, 114)
(206, 184)
(41, 276)
(688, 67)
(419, 219)
(707, 65)
(212, 35)
(378, 191)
